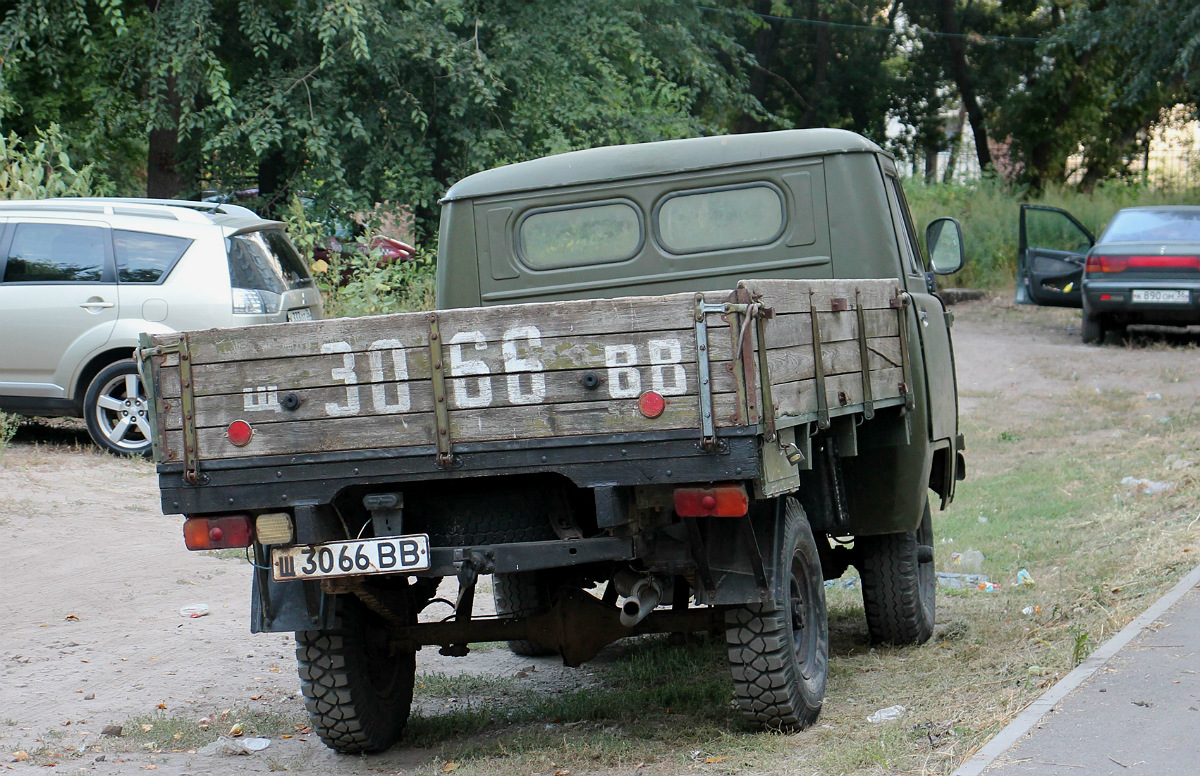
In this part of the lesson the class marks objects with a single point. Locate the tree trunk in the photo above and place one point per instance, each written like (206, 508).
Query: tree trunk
(765, 41)
(820, 70)
(931, 164)
(966, 86)
(955, 145)
(163, 178)
(274, 179)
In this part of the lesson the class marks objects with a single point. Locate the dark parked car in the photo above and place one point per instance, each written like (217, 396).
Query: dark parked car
(1144, 268)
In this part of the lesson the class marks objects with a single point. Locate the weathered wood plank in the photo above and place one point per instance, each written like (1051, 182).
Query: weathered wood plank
(792, 296)
(785, 331)
(577, 319)
(633, 349)
(264, 405)
(800, 397)
(790, 364)
(492, 424)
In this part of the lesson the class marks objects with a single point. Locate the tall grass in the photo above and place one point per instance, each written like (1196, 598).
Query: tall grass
(989, 211)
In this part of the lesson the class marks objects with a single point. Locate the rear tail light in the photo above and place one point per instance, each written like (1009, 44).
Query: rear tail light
(717, 501)
(1098, 263)
(251, 301)
(217, 533)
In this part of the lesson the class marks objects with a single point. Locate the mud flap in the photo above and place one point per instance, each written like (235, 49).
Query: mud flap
(284, 607)
(742, 556)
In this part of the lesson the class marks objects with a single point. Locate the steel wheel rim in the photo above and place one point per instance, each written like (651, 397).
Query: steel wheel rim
(803, 620)
(121, 413)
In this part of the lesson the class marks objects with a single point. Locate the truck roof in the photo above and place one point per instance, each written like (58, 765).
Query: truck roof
(622, 162)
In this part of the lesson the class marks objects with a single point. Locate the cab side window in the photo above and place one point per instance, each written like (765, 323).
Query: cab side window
(910, 249)
(55, 253)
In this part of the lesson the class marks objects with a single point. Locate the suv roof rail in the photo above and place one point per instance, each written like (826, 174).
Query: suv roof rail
(179, 209)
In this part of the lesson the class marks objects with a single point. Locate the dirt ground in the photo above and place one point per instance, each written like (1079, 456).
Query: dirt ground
(95, 577)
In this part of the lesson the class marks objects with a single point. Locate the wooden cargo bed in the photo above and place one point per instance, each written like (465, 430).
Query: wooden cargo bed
(530, 371)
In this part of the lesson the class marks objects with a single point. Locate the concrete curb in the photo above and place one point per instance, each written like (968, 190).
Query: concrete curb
(1033, 713)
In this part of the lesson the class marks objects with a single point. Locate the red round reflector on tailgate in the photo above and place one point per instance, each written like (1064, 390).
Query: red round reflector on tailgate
(651, 404)
(240, 433)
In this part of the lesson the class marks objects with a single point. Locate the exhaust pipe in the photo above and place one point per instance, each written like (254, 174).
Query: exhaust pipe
(643, 598)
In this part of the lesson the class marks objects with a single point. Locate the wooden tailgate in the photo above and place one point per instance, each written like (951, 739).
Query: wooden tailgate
(515, 372)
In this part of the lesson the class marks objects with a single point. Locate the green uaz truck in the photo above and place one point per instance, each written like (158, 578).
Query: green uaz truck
(669, 387)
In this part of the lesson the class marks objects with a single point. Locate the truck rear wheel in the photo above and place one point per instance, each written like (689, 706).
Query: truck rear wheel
(519, 595)
(779, 658)
(899, 584)
(358, 690)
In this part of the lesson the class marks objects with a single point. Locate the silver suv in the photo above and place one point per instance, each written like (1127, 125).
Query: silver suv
(80, 279)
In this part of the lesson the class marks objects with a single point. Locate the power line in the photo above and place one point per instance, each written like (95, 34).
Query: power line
(970, 36)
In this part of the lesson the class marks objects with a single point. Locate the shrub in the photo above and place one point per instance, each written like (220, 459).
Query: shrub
(42, 168)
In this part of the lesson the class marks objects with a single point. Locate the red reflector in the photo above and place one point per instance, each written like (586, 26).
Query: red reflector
(215, 533)
(1106, 297)
(718, 501)
(240, 433)
(651, 404)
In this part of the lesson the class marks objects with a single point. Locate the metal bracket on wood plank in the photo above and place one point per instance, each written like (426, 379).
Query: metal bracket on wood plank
(441, 412)
(902, 302)
(146, 370)
(818, 364)
(764, 372)
(708, 429)
(187, 405)
(742, 365)
(864, 356)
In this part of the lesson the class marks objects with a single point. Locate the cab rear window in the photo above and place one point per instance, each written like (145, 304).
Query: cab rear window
(590, 234)
(719, 219)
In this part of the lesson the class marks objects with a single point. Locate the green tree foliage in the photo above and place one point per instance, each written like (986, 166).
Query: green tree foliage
(819, 63)
(362, 101)
(41, 168)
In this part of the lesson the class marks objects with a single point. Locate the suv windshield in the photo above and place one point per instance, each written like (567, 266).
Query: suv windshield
(266, 261)
(1154, 226)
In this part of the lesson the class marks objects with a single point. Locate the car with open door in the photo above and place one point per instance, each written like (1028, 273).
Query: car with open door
(1052, 251)
(1144, 269)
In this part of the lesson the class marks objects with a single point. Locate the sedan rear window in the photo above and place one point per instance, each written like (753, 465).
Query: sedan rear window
(266, 261)
(1154, 226)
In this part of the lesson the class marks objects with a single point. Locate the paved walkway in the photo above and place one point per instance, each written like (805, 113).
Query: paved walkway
(1132, 708)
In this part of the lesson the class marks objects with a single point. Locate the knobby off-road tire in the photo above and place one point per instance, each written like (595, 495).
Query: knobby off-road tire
(779, 658)
(899, 584)
(1092, 330)
(358, 693)
(519, 595)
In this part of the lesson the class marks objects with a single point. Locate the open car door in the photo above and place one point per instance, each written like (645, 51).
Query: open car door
(1053, 249)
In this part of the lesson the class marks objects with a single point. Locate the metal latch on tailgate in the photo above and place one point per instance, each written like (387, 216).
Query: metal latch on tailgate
(752, 311)
(187, 403)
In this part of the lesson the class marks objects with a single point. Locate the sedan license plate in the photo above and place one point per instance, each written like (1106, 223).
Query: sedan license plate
(342, 559)
(300, 314)
(1160, 296)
